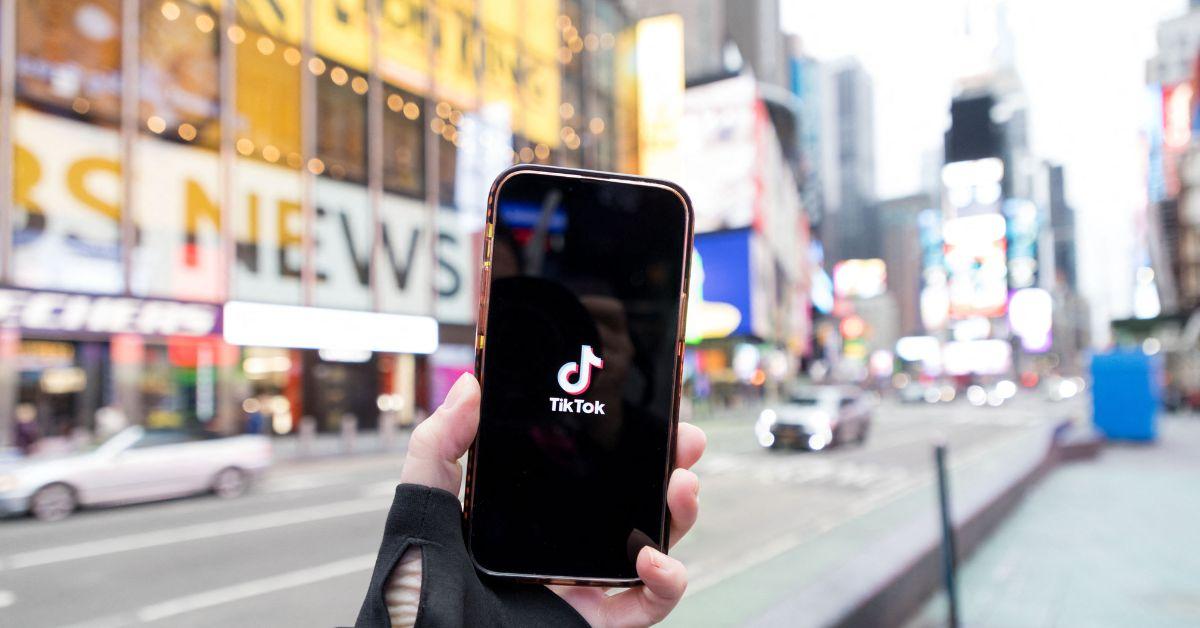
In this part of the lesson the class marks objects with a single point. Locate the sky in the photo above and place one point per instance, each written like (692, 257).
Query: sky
(1082, 65)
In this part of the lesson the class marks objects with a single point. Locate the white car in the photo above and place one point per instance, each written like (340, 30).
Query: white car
(134, 465)
(815, 419)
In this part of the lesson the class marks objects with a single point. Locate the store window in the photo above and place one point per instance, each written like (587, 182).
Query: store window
(176, 187)
(67, 194)
(271, 398)
(60, 384)
(267, 219)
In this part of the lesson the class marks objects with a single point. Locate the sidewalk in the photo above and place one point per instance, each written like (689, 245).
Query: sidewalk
(825, 575)
(1113, 541)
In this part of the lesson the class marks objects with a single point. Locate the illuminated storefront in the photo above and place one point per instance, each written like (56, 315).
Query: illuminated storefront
(206, 152)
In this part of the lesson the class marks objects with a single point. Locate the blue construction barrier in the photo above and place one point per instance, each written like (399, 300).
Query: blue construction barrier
(1126, 394)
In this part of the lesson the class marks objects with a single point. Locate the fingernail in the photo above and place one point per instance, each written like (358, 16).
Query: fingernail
(456, 391)
(657, 558)
(696, 489)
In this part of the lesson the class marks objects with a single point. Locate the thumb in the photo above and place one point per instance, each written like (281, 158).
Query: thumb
(439, 441)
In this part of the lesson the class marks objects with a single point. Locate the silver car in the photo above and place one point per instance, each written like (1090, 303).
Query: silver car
(134, 465)
(816, 418)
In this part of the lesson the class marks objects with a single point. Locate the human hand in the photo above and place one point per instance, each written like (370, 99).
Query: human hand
(440, 441)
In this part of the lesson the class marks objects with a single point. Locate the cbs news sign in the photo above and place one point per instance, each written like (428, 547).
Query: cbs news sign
(67, 189)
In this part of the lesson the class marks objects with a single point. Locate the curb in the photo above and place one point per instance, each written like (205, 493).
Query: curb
(858, 594)
(908, 589)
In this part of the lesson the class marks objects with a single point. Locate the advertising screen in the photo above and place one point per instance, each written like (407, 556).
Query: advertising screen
(860, 278)
(1022, 218)
(719, 303)
(977, 265)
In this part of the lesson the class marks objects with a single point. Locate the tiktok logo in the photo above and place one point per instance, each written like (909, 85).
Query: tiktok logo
(587, 361)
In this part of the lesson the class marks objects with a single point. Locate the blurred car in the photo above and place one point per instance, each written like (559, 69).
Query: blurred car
(927, 392)
(993, 395)
(1057, 388)
(913, 392)
(815, 419)
(134, 465)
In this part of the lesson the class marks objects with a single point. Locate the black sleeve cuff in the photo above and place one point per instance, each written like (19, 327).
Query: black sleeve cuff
(452, 592)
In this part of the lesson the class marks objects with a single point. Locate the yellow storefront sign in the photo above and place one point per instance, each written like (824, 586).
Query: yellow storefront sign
(489, 51)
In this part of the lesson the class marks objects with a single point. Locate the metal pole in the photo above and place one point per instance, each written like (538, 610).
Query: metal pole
(130, 57)
(308, 142)
(949, 551)
(227, 156)
(432, 152)
(375, 104)
(8, 87)
(227, 407)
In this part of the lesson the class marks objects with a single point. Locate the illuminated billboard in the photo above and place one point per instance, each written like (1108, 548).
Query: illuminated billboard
(480, 48)
(719, 148)
(1176, 131)
(1031, 317)
(67, 234)
(972, 188)
(660, 86)
(977, 266)
(1022, 218)
(719, 295)
(859, 278)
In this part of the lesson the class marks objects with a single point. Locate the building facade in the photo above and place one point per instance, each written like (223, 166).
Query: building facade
(326, 160)
(848, 166)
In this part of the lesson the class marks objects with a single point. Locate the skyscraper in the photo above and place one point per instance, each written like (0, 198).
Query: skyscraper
(851, 228)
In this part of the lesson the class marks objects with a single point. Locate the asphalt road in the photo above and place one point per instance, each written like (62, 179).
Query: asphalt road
(298, 550)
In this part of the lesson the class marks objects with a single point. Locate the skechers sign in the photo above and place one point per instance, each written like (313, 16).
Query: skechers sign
(86, 315)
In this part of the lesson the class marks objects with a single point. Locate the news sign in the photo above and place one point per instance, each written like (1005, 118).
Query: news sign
(67, 229)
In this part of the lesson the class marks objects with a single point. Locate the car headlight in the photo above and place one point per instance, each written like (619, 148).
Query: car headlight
(767, 417)
(8, 482)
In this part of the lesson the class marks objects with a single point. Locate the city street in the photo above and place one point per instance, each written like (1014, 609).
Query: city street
(298, 550)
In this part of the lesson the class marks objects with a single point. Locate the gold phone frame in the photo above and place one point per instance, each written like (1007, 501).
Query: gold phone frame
(485, 278)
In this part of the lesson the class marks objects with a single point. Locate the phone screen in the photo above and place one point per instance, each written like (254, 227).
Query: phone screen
(579, 374)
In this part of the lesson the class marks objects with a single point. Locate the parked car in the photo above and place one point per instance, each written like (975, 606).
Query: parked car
(134, 465)
(816, 418)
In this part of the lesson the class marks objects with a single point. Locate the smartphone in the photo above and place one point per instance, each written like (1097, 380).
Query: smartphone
(578, 352)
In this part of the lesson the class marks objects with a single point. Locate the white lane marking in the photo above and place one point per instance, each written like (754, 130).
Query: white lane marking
(7, 598)
(253, 588)
(143, 540)
(299, 483)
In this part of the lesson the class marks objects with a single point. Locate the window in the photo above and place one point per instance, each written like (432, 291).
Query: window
(69, 57)
(403, 143)
(344, 231)
(66, 186)
(342, 123)
(267, 221)
(180, 72)
(268, 97)
(158, 438)
(176, 174)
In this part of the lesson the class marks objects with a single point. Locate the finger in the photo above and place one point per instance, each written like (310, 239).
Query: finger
(439, 441)
(664, 580)
(683, 498)
(689, 446)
